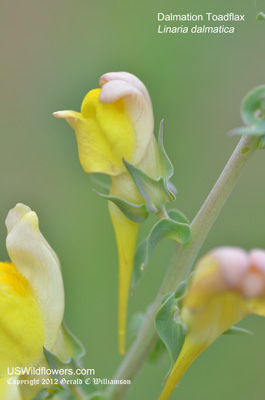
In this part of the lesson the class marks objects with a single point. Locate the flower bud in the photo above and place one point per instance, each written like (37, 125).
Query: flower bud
(227, 285)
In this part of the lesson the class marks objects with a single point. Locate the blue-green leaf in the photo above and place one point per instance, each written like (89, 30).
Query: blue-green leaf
(69, 352)
(135, 325)
(178, 216)
(175, 227)
(251, 130)
(235, 330)
(67, 346)
(158, 354)
(56, 364)
(169, 327)
(66, 379)
(101, 180)
(181, 289)
(167, 164)
(253, 107)
(154, 191)
(262, 142)
(260, 16)
(134, 212)
(253, 113)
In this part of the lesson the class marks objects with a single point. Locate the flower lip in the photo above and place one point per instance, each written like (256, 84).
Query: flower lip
(117, 89)
(257, 258)
(15, 215)
(242, 271)
(70, 116)
(233, 263)
(254, 283)
(131, 79)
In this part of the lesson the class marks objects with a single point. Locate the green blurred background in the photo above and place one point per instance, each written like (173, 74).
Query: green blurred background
(52, 53)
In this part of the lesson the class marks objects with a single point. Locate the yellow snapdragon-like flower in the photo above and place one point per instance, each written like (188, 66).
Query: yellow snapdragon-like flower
(115, 123)
(227, 285)
(31, 297)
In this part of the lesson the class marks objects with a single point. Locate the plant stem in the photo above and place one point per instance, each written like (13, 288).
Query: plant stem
(162, 213)
(183, 261)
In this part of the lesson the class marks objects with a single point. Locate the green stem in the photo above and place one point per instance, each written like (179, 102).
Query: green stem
(162, 214)
(183, 261)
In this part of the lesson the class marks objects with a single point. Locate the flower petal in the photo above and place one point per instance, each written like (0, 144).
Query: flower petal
(106, 135)
(126, 235)
(138, 108)
(188, 354)
(129, 78)
(9, 391)
(233, 263)
(72, 117)
(22, 331)
(37, 262)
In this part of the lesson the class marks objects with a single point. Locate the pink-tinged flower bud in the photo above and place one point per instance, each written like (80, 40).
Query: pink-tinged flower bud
(227, 285)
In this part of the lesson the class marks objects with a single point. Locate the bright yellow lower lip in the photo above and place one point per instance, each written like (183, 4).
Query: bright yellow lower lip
(22, 333)
(105, 134)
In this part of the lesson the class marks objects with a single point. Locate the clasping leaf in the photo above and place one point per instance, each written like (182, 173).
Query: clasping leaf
(169, 326)
(176, 228)
(253, 115)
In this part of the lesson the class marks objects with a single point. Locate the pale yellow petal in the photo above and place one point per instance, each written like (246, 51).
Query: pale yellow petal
(72, 117)
(37, 262)
(9, 391)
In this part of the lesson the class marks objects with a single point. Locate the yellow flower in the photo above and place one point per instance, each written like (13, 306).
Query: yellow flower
(115, 123)
(31, 297)
(227, 285)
